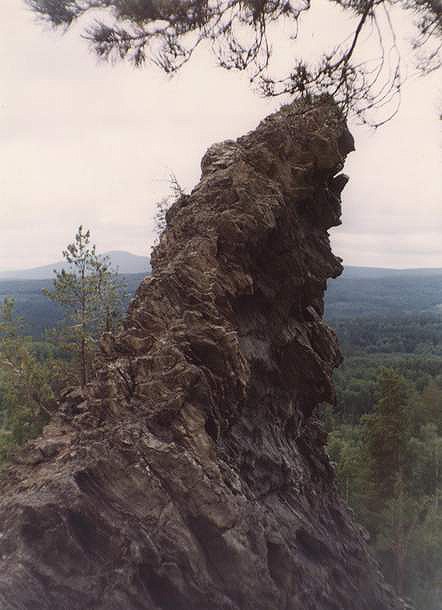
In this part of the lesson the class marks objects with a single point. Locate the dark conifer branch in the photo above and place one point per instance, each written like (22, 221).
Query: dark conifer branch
(167, 32)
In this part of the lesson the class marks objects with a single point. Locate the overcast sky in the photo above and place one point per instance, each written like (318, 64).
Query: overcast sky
(84, 142)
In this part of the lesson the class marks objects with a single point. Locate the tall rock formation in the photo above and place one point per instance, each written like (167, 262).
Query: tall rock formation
(191, 474)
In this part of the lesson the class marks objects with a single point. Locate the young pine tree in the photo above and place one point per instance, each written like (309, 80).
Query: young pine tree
(92, 295)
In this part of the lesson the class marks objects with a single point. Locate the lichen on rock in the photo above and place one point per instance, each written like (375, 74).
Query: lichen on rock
(191, 473)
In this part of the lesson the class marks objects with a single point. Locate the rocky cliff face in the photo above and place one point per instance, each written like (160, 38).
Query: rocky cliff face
(191, 475)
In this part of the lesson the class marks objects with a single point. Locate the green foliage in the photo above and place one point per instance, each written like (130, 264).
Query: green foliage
(413, 296)
(92, 296)
(356, 380)
(419, 334)
(387, 434)
(389, 469)
(346, 449)
(38, 312)
(26, 395)
(33, 372)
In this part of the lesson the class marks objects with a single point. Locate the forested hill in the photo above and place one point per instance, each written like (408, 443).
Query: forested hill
(367, 273)
(361, 292)
(367, 291)
(38, 311)
(389, 396)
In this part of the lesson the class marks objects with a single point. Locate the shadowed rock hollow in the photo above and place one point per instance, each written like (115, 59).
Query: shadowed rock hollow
(191, 475)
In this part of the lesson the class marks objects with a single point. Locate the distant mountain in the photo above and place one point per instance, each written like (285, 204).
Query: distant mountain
(123, 262)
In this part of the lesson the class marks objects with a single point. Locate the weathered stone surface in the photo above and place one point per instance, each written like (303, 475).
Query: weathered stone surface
(191, 475)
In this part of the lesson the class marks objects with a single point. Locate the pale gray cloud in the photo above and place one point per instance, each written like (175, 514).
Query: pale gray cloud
(85, 142)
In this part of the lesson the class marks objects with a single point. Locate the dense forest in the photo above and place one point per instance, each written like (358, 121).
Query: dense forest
(385, 431)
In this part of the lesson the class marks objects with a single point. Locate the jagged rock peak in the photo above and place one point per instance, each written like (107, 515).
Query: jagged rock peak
(191, 474)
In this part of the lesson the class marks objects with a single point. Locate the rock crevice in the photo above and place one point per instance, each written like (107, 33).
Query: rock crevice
(191, 474)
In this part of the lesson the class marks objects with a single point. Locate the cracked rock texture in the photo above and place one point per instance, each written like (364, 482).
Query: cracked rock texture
(191, 474)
